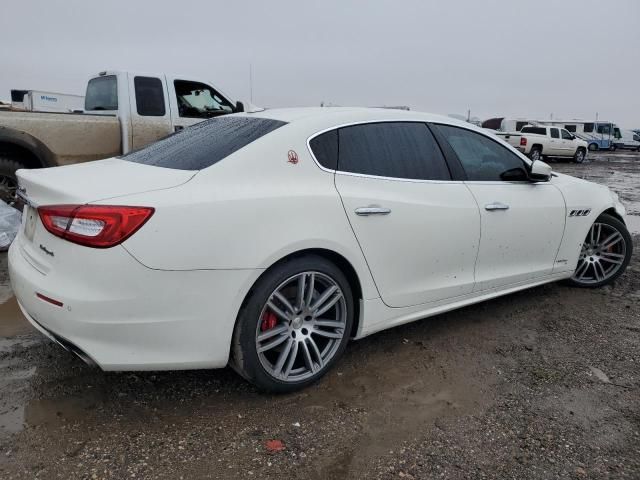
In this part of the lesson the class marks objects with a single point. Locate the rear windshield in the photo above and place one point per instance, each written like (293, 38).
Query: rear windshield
(102, 93)
(205, 143)
(536, 130)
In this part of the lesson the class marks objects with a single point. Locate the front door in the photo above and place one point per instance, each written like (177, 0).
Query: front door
(522, 222)
(419, 230)
(194, 102)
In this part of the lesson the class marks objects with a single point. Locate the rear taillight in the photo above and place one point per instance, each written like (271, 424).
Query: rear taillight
(523, 141)
(98, 226)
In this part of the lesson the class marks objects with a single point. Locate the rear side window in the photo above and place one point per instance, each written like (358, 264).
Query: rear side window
(205, 143)
(554, 133)
(393, 149)
(325, 149)
(149, 96)
(570, 128)
(102, 93)
(534, 130)
(588, 128)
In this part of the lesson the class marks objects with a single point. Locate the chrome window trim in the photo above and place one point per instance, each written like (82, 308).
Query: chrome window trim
(414, 180)
(365, 175)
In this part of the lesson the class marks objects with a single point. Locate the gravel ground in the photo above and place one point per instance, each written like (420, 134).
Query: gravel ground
(540, 384)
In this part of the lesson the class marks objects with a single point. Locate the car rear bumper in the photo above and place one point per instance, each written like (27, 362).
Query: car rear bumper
(121, 315)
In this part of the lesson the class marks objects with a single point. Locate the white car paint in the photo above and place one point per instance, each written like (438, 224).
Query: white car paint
(168, 297)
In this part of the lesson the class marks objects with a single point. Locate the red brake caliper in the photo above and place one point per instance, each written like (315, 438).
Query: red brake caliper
(269, 321)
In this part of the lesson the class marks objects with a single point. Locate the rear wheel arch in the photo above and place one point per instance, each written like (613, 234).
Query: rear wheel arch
(24, 148)
(339, 261)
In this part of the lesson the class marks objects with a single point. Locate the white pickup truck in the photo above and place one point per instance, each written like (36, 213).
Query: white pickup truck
(540, 141)
(123, 111)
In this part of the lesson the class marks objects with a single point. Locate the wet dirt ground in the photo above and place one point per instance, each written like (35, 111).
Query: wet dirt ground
(540, 384)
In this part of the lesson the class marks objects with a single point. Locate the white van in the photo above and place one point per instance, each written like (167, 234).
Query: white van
(629, 140)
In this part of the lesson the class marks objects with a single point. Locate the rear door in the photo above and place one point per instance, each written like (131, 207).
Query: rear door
(418, 229)
(522, 222)
(150, 115)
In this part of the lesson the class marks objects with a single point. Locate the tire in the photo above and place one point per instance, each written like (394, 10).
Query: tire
(535, 154)
(8, 179)
(594, 253)
(612, 148)
(578, 157)
(593, 147)
(257, 319)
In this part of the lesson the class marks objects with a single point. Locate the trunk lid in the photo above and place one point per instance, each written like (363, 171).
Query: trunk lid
(95, 181)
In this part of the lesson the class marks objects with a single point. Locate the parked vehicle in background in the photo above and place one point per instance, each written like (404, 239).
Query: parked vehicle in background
(123, 111)
(40, 101)
(502, 124)
(366, 219)
(540, 141)
(599, 135)
(628, 140)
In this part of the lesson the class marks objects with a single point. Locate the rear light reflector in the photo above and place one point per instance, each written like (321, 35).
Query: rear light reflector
(523, 141)
(98, 226)
(49, 299)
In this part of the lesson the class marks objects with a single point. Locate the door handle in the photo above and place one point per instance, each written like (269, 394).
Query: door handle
(496, 206)
(372, 210)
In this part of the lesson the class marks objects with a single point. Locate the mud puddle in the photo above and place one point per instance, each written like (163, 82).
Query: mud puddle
(12, 322)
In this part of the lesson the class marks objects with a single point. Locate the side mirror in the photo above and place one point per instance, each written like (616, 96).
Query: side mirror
(539, 172)
(239, 107)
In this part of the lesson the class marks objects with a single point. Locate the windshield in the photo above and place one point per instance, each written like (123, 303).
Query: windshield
(102, 93)
(205, 143)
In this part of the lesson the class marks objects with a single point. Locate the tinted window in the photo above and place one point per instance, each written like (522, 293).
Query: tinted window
(102, 93)
(205, 143)
(149, 96)
(604, 128)
(519, 125)
(481, 157)
(197, 100)
(393, 149)
(554, 133)
(535, 130)
(325, 149)
(588, 127)
(566, 135)
(570, 128)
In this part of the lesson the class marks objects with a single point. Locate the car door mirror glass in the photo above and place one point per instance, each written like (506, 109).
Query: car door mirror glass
(539, 172)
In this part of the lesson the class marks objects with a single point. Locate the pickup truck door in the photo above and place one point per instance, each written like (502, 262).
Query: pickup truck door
(150, 115)
(193, 101)
(522, 223)
(568, 143)
(555, 142)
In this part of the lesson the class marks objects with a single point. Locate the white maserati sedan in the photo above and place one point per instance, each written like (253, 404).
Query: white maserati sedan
(268, 240)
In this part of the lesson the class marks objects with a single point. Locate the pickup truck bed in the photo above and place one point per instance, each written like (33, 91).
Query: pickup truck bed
(69, 137)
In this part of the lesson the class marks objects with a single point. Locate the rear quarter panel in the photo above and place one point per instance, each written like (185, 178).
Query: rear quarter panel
(248, 211)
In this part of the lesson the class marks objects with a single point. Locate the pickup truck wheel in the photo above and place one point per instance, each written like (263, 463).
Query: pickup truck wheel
(535, 154)
(593, 147)
(579, 156)
(8, 179)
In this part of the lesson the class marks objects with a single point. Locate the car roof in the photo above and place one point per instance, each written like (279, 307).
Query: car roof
(320, 118)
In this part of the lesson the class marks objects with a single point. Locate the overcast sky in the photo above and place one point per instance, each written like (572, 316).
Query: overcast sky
(569, 58)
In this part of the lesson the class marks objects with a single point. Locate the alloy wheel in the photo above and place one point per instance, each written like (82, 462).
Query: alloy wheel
(535, 155)
(301, 326)
(602, 255)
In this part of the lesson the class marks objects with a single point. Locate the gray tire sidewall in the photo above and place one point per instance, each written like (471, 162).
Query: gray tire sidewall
(622, 228)
(244, 355)
(579, 158)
